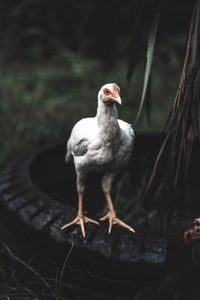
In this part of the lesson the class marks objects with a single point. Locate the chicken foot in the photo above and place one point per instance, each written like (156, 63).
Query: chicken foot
(80, 219)
(111, 215)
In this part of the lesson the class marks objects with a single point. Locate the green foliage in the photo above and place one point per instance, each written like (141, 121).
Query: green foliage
(149, 59)
(41, 101)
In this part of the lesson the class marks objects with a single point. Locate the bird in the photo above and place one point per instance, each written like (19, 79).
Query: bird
(101, 143)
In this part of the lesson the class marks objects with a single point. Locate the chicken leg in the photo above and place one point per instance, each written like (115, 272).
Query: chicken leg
(81, 218)
(111, 215)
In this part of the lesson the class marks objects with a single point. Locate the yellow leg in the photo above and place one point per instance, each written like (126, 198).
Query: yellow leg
(111, 215)
(80, 219)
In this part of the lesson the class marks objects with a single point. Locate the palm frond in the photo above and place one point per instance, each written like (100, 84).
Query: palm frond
(146, 17)
(149, 59)
(148, 100)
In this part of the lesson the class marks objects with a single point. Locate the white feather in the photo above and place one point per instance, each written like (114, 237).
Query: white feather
(102, 143)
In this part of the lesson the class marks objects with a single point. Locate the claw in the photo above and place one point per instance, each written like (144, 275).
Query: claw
(82, 227)
(103, 218)
(111, 216)
(110, 226)
(80, 221)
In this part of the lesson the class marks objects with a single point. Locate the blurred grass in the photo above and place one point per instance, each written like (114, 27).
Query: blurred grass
(42, 99)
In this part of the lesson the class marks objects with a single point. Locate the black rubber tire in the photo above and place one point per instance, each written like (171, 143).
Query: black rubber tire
(36, 202)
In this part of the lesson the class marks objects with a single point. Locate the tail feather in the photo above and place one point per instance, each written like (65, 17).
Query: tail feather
(68, 157)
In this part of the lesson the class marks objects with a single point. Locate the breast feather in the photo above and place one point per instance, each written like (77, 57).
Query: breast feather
(83, 133)
(127, 129)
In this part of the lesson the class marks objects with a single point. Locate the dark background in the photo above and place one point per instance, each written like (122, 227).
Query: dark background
(55, 56)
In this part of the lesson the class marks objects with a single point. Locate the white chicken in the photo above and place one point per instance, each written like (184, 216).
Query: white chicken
(102, 143)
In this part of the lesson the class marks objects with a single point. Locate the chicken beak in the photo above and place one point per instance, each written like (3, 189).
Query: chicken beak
(116, 99)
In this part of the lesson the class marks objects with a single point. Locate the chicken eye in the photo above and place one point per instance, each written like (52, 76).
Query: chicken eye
(107, 92)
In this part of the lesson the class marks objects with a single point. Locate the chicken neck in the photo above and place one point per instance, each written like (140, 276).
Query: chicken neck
(107, 120)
